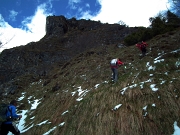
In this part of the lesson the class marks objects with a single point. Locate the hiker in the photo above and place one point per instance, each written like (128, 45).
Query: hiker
(142, 47)
(10, 124)
(114, 67)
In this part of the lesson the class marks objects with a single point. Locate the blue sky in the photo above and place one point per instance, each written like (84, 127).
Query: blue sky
(17, 11)
(23, 21)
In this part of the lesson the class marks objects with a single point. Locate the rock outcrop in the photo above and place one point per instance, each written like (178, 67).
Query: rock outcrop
(64, 39)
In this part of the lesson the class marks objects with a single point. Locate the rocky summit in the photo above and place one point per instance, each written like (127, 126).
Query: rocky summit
(64, 39)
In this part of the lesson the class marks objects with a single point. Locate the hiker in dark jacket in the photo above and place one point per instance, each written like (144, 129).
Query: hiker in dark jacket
(11, 115)
(142, 46)
(114, 68)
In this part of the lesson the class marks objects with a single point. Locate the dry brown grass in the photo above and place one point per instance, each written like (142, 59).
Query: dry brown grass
(94, 115)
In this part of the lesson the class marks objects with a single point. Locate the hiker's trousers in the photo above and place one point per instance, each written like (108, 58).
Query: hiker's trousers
(115, 74)
(5, 128)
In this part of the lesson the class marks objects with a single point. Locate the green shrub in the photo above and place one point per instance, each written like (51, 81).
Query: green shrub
(159, 25)
(142, 34)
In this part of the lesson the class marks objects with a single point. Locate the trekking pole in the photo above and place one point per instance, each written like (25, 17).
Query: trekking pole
(124, 69)
(17, 124)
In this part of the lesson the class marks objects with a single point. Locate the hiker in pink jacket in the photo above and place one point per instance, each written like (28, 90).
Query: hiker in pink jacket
(114, 67)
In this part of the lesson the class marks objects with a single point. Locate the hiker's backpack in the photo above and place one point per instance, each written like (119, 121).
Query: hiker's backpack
(113, 62)
(143, 46)
(3, 110)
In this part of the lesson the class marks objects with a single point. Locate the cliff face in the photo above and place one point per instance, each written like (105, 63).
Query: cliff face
(64, 39)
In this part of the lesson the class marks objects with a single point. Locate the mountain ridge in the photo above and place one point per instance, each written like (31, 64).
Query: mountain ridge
(63, 37)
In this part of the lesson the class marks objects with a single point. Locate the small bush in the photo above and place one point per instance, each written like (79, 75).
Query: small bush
(142, 34)
(159, 25)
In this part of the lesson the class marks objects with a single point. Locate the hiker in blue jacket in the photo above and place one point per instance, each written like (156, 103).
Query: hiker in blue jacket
(10, 125)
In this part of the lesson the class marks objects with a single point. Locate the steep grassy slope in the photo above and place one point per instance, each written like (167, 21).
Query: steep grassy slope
(79, 98)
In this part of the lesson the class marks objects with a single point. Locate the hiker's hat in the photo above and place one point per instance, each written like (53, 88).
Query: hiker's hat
(13, 102)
